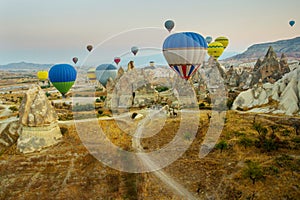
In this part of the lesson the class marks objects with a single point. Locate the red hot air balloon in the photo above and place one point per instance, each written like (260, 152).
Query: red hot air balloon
(75, 59)
(117, 60)
(89, 47)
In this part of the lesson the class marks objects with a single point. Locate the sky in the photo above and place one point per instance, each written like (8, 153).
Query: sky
(55, 31)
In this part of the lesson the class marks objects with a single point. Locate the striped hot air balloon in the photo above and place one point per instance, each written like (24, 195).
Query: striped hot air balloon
(62, 76)
(215, 49)
(223, 40)
(91, 74)
(185, 52)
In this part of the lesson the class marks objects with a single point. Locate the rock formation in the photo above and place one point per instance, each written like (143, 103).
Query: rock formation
(130, 65)
(38, 121)
(270, 69)
(285, 91)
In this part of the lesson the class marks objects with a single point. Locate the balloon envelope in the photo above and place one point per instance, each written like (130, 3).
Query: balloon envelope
(292, 23)
(185, 52)
(62, 76)
(134, 50)
(117, 60)
(89, 47)
(169, 25)
(42, 75)
(104, 72)
(208, 39)
(215, 49)
(75, 59)
(91, 74)
(223, 40)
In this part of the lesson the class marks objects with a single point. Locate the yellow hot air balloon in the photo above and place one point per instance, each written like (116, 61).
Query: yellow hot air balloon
(223, 40)
(215, 49)
(91, 74)
(42, 75)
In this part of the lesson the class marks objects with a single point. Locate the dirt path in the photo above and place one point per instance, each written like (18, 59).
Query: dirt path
(163, 176)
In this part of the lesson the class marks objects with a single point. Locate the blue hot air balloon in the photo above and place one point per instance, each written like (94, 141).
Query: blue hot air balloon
(134, 50)
(104, 72)
(208, 39)
(185, 52)
(62, 76)
(169, 25)
(292, 23)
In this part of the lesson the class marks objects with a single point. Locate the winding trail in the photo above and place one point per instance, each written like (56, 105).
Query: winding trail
(163, 176)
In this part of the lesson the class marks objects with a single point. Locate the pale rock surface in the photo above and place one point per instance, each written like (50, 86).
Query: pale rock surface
(38, 120)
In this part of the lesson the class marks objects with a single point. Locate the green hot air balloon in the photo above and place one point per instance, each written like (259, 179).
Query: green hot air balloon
(62, 76)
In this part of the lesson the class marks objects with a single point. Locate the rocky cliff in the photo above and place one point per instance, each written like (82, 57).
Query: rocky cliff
(290, 47)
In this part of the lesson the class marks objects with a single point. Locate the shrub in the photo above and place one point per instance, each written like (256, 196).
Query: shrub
(253, 171)
(222, 145)
(246, 142)
(201, 105)
(187, 136)
(13, 108)
(98, 100)
(161, 88)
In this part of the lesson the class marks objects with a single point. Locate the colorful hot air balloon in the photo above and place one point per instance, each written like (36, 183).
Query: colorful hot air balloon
(42, 75)
(89, 47)
(117, 60)
(91, 74)
(185, 52)
(75, 59)
(223, 40)
(215, 49)
(169, 25)
(104, 72)
(62, 76)
(208, 39)
(134, 50)
(292, 23)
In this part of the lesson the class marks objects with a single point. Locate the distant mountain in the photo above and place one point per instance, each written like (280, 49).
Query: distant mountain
(25, 66)
(228, 54)
(290, 47)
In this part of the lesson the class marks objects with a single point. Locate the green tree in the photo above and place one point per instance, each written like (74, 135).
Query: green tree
(253, 171)
(246, 142)
(221, 145)
(260, 129)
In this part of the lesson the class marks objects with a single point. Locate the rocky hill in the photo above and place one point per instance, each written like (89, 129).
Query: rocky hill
(25, 66)
(290, 47)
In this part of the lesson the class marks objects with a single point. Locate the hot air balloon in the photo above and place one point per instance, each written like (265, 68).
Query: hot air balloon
(75, 59)
(215, 49)
(91, 74)
(292, 23)
(42, 75)
(104, 72)
(134, 50)
(151, 63)
(89, 47)
(169, 25)
(223, 40)
(62, 76)
(208, 39)
(185, 52)
(117, 60)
